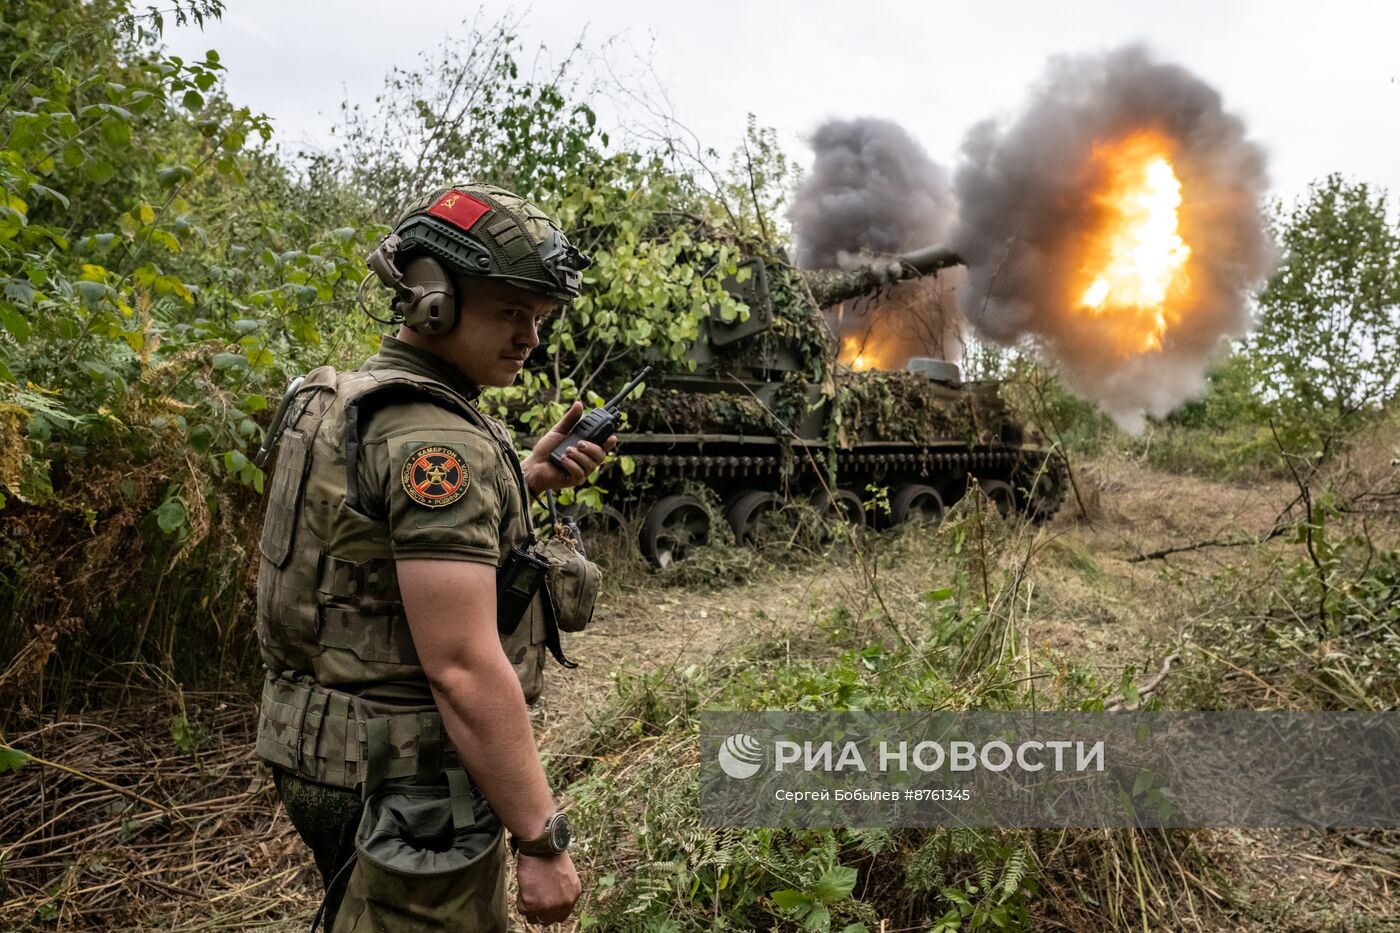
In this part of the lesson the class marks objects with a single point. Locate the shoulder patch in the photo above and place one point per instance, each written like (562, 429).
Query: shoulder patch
(435, 476)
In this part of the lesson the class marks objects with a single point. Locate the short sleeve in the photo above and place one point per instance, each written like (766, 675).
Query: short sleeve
(438, 485)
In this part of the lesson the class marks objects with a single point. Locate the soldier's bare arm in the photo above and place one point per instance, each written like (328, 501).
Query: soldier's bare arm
(451, 609)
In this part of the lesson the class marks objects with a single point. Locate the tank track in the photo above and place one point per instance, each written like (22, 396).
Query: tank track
(1021, 464)
(702, 465)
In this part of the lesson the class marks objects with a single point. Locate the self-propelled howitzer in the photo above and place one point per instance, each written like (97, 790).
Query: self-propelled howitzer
(768, 414)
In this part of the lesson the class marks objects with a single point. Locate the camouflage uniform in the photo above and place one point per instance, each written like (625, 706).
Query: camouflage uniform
(390, 461)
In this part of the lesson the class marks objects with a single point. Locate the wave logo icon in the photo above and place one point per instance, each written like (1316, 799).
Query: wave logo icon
(741, 756)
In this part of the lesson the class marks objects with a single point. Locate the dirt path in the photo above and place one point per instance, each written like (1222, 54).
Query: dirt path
(654, 628)
(1093, 603)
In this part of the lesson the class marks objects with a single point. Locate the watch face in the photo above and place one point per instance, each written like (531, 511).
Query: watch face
(559, 832)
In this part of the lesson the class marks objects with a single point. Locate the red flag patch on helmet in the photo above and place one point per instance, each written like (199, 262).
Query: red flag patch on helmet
(460, 210)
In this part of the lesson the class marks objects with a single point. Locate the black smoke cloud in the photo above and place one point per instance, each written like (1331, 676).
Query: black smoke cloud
(1024, 201)
(872, 187)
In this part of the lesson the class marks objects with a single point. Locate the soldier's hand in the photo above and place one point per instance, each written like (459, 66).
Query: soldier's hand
(582, 459)
(549, 887)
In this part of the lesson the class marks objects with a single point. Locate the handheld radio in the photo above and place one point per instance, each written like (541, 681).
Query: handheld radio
(597, 425)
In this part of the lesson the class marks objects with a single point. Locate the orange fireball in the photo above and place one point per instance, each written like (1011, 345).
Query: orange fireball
(855, 354)
(1134, 268)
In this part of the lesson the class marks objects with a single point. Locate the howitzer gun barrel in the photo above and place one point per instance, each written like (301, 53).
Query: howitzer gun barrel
(931, 259)
(830, 286)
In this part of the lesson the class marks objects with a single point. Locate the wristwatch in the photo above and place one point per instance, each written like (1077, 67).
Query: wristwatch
(553, 841)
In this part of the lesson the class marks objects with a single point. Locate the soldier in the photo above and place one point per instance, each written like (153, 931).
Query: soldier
(395, 510)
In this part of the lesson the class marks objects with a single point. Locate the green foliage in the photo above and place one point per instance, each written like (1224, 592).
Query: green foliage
(653, 278)
(755, 191)
(1230, 398)
(186, 735)
(1040, 399)
(12, 759)
(811, 906)
(162, 274)
(164, 271)
(991, 895)
(658, 257)
(469, 111)
(119, 302)
(1324, 630)
(959, 650)
(1238, 451)
(1328, 344)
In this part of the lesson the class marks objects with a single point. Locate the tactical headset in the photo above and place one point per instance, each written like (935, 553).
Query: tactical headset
(425, 298)
(476, 230)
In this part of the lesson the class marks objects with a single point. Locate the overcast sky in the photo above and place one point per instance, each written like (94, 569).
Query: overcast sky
(1316, 81)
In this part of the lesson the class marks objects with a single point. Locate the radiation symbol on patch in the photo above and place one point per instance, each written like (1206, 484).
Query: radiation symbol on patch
(435, 476)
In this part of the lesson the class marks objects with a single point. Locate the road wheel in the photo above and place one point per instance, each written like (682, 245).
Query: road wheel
(672, 529)
(750, 513)
(845, 505)
(603, 520)
(601, 530)
(914, 502)
(1001, 494)
(1044, 488)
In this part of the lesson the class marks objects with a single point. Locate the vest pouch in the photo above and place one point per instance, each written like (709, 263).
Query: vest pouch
(280, 522)
(358, 611)
(369, 637)
(573, 582)
(417, 870)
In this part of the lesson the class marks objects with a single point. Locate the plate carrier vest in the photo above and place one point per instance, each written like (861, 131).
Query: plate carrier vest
(330, 617)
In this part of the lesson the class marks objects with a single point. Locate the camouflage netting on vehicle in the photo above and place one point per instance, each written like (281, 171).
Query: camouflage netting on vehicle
(830, 286)
(671, 411)
(898, 406)
(797, 317)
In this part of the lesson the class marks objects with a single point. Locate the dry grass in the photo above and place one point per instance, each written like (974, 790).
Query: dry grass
(210, 849)
(125, 831)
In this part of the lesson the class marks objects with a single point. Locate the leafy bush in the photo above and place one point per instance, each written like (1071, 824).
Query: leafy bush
(157, 291)
(1328, 344)
(164, 270)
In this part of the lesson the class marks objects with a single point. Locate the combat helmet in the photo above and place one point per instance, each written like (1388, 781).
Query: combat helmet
(476, 230)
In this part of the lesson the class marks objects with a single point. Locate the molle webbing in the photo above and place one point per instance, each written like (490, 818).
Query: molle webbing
(370, 585)
(325, 736)
(513, 250)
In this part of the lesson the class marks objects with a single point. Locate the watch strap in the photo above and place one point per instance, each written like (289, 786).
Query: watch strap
(543, 844)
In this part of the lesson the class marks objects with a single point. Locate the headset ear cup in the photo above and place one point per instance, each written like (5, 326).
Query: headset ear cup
(433, 309)
(439, 311)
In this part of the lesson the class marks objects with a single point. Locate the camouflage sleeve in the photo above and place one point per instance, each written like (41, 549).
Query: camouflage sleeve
(436, 479)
